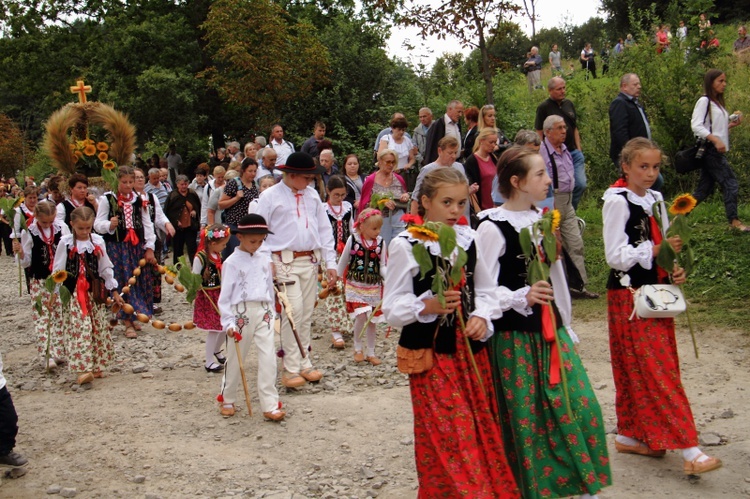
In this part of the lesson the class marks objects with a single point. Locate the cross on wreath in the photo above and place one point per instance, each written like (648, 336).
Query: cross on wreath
(81, 90)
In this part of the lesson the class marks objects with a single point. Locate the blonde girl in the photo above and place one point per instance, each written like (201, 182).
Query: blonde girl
(645, 364)
(208, 263)
(363, 264)
(36, 253)
(90, 279)
(457, 442)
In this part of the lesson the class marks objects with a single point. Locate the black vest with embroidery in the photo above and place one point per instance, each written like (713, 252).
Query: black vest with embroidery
(40, 257)
(210, 273)
(151, 207)
(91, 261)
(345, 222)
(364, 264)
(69, 207)
(638, 230)
(513, 276)
(121, 232)
(442, 334)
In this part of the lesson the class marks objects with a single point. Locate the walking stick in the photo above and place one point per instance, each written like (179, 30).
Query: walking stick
(288, 310)
(244, 379)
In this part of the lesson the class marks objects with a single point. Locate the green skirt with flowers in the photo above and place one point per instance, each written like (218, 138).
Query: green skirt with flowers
(551, 456)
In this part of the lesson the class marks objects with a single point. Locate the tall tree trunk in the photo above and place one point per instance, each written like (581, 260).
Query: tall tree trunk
(486, 69)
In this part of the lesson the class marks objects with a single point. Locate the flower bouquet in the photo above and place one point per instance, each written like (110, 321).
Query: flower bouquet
(379, 199)
(448, 265)
(667, 257)
(540, 248)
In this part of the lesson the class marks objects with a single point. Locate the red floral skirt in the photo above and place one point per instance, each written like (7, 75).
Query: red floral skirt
(204, 314)
(651, 403)
(457, 441)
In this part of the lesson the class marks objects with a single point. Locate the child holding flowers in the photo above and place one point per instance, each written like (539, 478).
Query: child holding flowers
(36, 252)
(207, 264)
(340, 215)
(362, 263)
(644, 351)
(552, 425)
(457, 441)
(83, 267)
(125, 224)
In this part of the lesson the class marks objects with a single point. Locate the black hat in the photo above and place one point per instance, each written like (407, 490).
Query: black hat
(252, 224)
(300, 162)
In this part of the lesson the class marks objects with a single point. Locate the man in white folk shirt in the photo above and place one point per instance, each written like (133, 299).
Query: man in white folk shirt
(301, 239)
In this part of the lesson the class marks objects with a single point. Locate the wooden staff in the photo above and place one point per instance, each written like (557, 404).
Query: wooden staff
(244, 379)
(288, 310)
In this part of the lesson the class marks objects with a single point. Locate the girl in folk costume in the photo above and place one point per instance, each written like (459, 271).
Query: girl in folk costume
(126, 227)
(161, 223)
(362, 264)
(644, 351)
(90, 279)
(551, 454)
(36, 252)
(25, 210)
(207, 264)
(457, 441)
(340, 214)
(79, 196)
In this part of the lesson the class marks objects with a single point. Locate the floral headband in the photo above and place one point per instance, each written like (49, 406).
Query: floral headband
(217, 234)
(365, 215)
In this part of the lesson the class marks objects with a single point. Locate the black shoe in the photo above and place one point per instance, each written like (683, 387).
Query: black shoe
(221, 360)
(214, 368)
(157, 310)
(13, 459)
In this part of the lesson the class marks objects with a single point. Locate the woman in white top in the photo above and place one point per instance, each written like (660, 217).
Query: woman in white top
(711, 122)
(397, 141)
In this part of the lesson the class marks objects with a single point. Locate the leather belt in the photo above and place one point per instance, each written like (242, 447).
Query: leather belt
(296, 254)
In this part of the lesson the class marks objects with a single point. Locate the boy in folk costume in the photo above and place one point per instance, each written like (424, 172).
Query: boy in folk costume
(301, 238)
(247, 309)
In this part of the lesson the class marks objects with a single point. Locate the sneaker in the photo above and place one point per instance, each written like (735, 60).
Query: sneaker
(13, 459)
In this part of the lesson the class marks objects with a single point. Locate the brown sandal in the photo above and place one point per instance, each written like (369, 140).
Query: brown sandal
(130, 333)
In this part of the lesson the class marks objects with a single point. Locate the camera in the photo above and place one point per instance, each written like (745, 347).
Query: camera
(701, 144)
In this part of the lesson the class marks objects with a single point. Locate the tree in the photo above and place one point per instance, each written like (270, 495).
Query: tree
(13, 147)
(529, 9)
(469, 21)
(263, 57)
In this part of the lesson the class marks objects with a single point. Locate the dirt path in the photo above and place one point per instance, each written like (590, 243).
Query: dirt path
(157, 433)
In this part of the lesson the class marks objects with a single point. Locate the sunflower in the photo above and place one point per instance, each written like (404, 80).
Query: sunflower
(683, 204)
(89, 150)
(80, 144)
(382, 202)
(422, 233)
(59, 276)
(555, 220)
(102, 156)
(78, 154)
(109, 165)
(102, 146)
(89, 142)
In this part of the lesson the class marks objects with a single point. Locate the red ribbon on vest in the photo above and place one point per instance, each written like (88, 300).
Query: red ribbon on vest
(656, 237)
(548, 333)
(131, 238)
(82, 286)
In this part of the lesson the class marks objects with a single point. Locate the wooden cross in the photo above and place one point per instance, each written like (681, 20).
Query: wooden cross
(81, 90)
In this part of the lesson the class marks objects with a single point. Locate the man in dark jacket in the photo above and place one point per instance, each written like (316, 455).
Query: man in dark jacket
(628, 120)
(448, 124)
(183, 208)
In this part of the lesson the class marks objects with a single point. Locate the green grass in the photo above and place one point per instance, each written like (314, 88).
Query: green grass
(719, 288)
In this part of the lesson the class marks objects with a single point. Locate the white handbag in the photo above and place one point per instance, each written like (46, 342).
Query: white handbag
(656, 301)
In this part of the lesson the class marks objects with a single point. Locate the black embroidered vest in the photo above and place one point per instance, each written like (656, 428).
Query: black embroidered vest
(345, 221)
(638, 230)
(442, 334)
(364, 264)
(91, 261)
(513, 276)
(210, 274)
(40, 257)
(69, 207)
(121, 232)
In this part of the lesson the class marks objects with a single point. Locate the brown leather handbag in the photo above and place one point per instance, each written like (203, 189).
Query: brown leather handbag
(413, 361)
